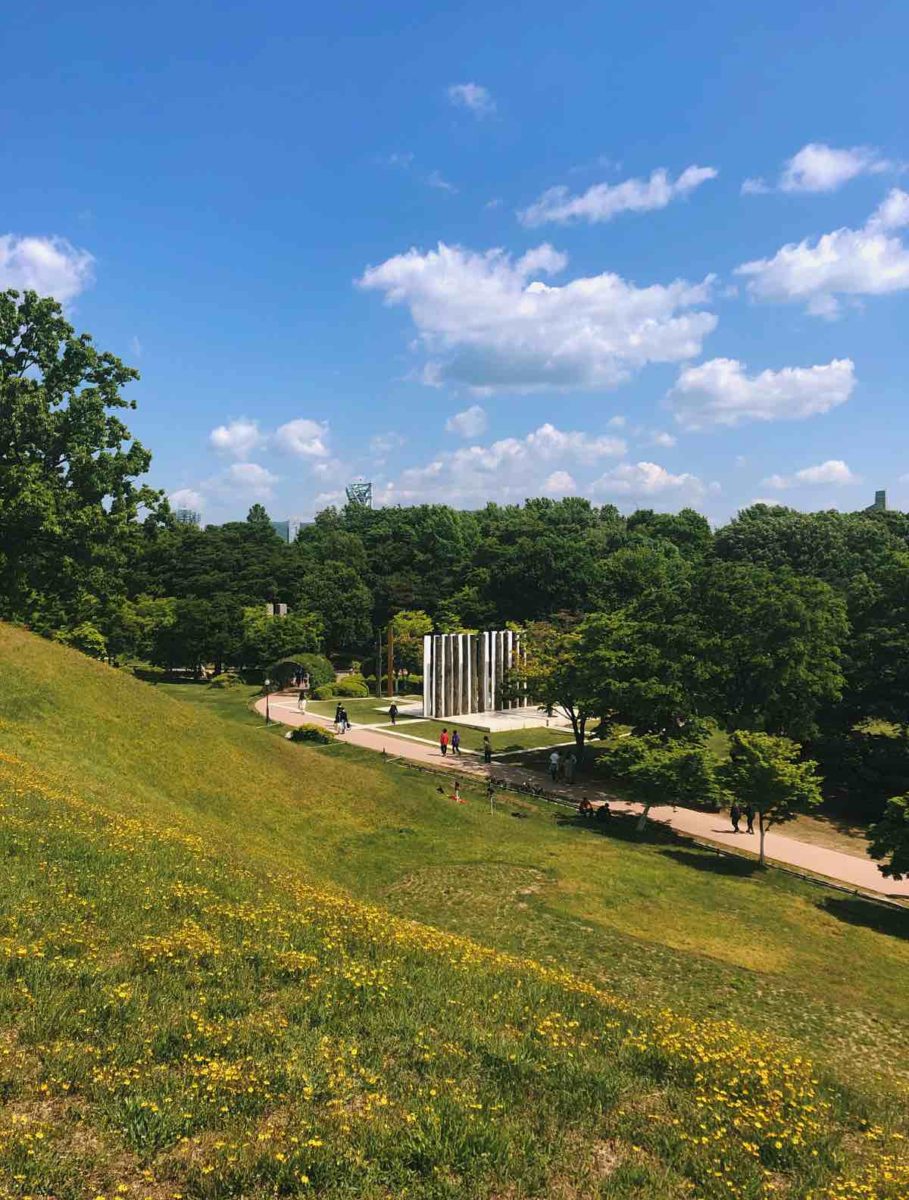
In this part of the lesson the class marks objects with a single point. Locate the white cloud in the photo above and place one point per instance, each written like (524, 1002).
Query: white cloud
(49, 266)
(435, 179)
(249, 478)
(303, 437)
(472, 96)
(384, 443)
(135, 347)
(617, 422)
(833, 471)
(645, 479)
(603, 201)
(719, 392)
(490, 324)
(818, 167)
(560, 483)
(469, 423)
(237, 438)
(186, 498)
(870, 261)
(507, 470)
(660, 437)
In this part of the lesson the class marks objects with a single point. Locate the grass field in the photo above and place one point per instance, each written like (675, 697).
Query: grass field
(212, 986)
(502, 742)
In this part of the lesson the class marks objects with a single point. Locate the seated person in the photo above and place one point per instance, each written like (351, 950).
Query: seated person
(585, 808)
(603, 811)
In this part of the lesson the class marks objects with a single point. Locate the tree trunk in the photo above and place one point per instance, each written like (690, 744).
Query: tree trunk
(762, 832)
(642, 819)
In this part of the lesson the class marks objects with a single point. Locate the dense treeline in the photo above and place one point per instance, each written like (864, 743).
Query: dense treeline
(790, 623)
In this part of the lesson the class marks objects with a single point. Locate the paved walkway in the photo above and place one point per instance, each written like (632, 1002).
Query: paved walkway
(844, 868)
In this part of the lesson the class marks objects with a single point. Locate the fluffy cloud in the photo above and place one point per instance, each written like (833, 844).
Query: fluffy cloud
(469, 423)
(508, 470)
(870, 261)
(488, 322)
(560, 483)
(303, 437)
(384, 443)
(833, 471)
(472, 96)
(719, 392)
(249, 478)
(603, 201)
(47, 265)
(821, 168)
(238, 438)
(645, 479)
(186, 498)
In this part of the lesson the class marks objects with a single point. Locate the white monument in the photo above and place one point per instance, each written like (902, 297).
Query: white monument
(465, 673)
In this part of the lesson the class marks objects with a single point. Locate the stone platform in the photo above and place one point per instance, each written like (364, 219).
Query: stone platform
(498, 720)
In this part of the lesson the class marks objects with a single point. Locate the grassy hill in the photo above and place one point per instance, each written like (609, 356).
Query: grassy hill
(213, 983)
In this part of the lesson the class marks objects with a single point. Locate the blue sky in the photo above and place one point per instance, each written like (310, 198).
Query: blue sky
(657, 256)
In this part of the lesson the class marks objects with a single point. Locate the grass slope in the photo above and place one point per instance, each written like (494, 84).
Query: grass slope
(191, 1007)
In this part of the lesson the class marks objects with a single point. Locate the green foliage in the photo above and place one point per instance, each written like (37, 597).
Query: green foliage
(337, 598)
(861, 769)
(767, 773)
(227, 679)
(409, 628)
(664, 771)
(267, 639)
(315, 734)
(84, 637)
(890, 839)
(351, 687)
(68, 491)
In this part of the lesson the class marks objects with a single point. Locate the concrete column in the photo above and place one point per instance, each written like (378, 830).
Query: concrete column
(437, 693)
(427, 675)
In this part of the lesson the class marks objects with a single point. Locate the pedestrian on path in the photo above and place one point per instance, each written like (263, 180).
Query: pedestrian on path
(749, 816)
(735, 815)
(570, 763)
(393, 713)
(456, 743)
(487, 749)
(343, 721)
(443, 742)
(301, 701)
(338, 710)
(554, 764)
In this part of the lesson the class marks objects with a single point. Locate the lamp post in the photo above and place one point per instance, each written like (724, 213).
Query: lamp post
(267, 712)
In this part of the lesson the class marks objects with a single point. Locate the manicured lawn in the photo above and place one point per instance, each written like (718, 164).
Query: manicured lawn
(472, 739)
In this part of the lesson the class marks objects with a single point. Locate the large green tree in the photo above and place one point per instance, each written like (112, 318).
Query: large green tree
(890, 839)
(768, 773)
(68, 469)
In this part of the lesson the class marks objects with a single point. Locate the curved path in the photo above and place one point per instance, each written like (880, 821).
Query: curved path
(846, 869)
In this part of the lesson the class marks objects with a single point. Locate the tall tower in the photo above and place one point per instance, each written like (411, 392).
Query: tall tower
(359, 492)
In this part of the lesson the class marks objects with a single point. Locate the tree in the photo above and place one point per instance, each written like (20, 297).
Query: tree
(266, 638)
(68, 491)
(771, 648)
(336, 594)
(84, 637)
(664, 771)
(767, 773)
(409, 628)
(890, 839)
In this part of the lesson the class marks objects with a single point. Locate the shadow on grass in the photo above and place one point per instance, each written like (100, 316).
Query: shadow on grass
(622, 827)
(714, 864)
(872, 916)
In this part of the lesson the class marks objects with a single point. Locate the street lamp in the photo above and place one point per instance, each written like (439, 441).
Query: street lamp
(267, 713)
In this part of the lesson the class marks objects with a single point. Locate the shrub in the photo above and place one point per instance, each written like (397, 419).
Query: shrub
(317, 666)
(352, 686)
(324, 692)
(227, 679)
(84, 637)
(312, 733)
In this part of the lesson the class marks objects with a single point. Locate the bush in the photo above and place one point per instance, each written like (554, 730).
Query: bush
(84, 637)
(352, 686)
(311, 733)
(317, 666)
(227, 679)
(325, 692)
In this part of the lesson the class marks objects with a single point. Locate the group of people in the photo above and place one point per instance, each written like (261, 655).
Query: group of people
(737, 812)
(562, 766)
(452, 741)
(342, 721)
(586, 809)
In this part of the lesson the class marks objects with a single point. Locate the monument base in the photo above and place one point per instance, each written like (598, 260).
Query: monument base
(496, 721)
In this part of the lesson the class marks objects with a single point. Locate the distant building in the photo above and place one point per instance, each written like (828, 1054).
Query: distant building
(880, 502)
(359, 492)
(188, 516)
(287, 530)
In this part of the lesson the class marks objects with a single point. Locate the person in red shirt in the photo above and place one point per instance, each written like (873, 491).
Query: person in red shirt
(443, 742)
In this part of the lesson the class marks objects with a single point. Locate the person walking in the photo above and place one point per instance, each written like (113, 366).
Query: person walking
(456, 743)
(301, 701)
(338, 710)
(487, 749)
(570, 763)
(735, 815)
(393, 713)
(554, 764)
(749, 816)
(443, 742)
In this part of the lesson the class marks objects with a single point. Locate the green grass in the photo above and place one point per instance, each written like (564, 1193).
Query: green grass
(502, 742)
(172, 873)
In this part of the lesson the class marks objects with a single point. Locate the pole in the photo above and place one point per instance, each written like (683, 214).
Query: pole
(390, 645)
(378, 664)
